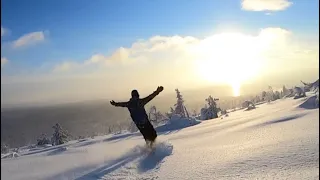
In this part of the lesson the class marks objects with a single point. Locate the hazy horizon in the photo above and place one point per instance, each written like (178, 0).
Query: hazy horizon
(194, 93)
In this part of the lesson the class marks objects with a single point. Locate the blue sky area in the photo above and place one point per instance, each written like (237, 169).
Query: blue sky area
(77, 29)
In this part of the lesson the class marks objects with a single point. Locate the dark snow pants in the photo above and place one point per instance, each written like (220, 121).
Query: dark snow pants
(147, 131)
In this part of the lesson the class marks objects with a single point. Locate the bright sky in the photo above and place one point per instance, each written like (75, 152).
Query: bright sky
(73, 50)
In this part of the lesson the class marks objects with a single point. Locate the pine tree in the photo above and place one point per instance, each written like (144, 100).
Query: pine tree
(257, 99)
(60, 136)
(152, 113)
(285, 91)
(263, 95)
(155, 116)
(212, 110)
(179, 107)
(270, 94)
(109, 130)
(277, 95)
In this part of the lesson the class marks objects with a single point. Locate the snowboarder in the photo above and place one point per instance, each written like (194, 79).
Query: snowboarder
(138, 114)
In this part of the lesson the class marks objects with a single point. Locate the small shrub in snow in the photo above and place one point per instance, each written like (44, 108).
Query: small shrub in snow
(250, 108)
(210, 112)
(249, 105)
(223, 112)
(81, 137)
(276, 95)
(155, 116)
(4, 148)
(298, 93)
(43, 140)
(170, 113)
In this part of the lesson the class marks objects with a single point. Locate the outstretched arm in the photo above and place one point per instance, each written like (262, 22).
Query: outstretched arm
(119, 104)
(151, 96)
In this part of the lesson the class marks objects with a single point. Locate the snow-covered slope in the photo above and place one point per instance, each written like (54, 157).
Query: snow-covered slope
(279, 140)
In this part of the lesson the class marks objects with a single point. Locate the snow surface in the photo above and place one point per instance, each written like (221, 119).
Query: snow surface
(277, 140)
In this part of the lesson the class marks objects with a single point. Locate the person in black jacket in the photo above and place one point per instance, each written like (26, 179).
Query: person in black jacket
(138, 114)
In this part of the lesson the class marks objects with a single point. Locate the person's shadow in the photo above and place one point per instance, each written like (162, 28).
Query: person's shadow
(110, 167)
(147, 161)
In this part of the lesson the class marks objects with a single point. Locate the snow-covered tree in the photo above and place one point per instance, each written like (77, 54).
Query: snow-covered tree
(110, 130)
(194, 113)
(60, 136)
(310, 86)
(210, 112)
(269, 94)
(132, 127)
(285, 91)
(155, 116)
(4, 148)
(257, 99)
(263, 95)
(152, 112)
(276, 95)
(179, 106)
(299, 92)
(170, 113)
(224, 112)
(43, 140)
(248, 105)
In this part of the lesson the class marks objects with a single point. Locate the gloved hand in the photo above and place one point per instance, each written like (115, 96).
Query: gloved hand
(160, 88)
(112, 102)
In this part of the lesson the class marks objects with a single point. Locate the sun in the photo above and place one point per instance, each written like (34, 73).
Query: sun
(236, 89)
(230, 58)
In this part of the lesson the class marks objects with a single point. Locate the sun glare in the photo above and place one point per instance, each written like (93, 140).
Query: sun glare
(236, 89)
(230, 58)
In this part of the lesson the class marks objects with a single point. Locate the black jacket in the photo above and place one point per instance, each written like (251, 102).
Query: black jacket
(136, 107)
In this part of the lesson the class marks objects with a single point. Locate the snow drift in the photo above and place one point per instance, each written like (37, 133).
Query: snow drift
(311, 103)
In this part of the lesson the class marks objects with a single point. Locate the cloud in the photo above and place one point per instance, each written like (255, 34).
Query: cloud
(173, 50)
(29, 39)
(157, 48)
(265, 5)
(121, 55)
(3, 31)
(4, 61)
(65, 66)
(274, 36)
(242, 54)
(175, 61)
